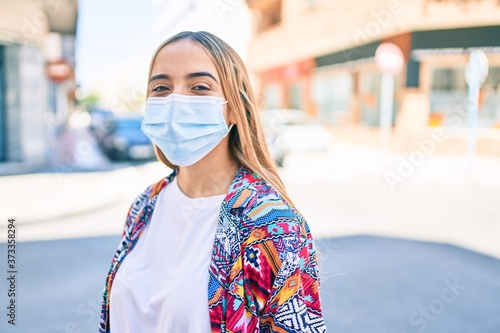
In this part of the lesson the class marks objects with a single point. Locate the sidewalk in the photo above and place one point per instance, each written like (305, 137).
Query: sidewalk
(80, 179)
(49, 196)
(346, 192)
(341, 192)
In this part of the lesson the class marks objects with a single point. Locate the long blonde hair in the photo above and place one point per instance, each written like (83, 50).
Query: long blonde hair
(247, 143)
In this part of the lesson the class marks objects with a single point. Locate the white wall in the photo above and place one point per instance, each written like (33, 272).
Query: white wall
(34, 104)
(26, 104)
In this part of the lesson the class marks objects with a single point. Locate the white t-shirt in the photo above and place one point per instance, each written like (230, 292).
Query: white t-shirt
(162, 284)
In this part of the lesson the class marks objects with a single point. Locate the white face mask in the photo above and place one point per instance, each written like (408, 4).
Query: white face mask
(185, 128)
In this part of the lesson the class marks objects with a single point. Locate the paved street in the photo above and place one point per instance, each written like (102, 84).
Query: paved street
(59, 285)
(370, 284)
(420, 257)
(384, 285)
(344, 192)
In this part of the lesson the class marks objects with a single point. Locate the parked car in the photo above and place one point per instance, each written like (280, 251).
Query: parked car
(272, 131)
(125, 140)
(289, 130)
(99, 118)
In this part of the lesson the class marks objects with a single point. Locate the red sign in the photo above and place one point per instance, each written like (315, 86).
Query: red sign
(59, 70)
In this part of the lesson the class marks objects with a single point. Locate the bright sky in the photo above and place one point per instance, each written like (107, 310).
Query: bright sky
(113, 34)
(110, 34)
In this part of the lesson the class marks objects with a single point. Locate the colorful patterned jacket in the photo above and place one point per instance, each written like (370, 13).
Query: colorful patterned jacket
(263, 275)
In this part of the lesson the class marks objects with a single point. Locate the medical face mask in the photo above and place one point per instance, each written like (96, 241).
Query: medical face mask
(185, 128)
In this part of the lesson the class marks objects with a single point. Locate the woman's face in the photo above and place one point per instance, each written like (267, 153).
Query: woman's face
(185, 68)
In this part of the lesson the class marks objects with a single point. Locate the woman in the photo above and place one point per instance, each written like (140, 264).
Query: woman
(222, 248)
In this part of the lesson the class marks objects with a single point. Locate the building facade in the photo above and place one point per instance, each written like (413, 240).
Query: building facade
(37, 47)
(319, 56)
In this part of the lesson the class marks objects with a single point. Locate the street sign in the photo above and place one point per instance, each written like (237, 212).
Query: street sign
(475, 75)
(477, 68)
(59, 71)
(390, 61)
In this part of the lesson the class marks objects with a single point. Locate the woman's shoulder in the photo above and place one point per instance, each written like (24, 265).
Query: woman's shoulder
(264, 215)
(150, 193)
(259, 201)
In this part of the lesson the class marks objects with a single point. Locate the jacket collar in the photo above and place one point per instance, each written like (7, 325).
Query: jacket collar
(238, 194)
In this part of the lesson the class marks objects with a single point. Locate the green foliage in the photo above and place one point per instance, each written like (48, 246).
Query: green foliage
(89, 102)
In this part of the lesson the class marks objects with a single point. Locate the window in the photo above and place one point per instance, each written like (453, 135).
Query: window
(272, 97)
(449, 96)
(332, 94)
(489, 99)
(370, 98)
(295, 96)
(3, 125)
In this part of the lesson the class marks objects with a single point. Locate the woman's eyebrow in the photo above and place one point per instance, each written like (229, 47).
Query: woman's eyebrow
(159, 77)
(198, 74)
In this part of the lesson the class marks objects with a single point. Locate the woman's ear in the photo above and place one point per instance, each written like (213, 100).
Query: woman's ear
(231, 119)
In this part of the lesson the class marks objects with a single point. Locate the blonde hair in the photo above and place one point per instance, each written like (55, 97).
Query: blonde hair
(247, 143)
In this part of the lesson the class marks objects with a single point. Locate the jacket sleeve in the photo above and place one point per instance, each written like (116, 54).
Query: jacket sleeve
(281, 274)
(135, 209)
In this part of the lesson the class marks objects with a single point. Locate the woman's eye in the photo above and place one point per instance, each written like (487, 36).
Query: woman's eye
(200, 87)
(160, 88)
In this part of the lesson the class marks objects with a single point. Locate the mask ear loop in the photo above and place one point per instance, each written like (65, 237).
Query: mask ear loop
(230, 126)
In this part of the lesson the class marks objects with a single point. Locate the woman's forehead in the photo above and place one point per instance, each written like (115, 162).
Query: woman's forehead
(182, 45)
(184, 55)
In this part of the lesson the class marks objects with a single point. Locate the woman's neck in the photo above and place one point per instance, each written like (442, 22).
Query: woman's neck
(211, 176)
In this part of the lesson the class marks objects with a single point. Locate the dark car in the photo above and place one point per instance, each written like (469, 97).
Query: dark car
(125, 140)
(99, 119)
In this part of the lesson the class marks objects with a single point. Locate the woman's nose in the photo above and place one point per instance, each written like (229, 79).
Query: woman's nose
(181, 91)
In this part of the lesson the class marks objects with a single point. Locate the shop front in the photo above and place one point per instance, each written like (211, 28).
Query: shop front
(289, 87)
(347, 83)
(443, 56)
(347, 87)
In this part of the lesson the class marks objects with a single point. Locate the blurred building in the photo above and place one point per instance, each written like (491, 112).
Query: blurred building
(37, 60)
(318, 55)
